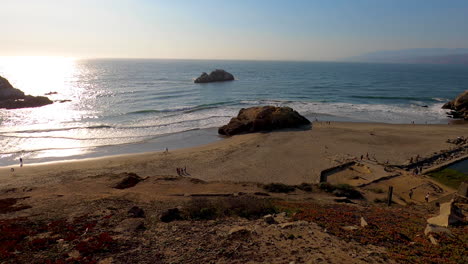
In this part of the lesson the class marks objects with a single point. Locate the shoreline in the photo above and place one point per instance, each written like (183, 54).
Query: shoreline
(206, 136)
(288, 156)
(179, 140)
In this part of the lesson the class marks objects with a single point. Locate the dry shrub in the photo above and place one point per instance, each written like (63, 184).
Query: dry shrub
(246, 207)
(278, 188)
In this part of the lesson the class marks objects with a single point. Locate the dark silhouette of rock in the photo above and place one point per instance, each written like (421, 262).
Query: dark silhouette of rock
(130, 180)
(12, 98)
(215, 76)
(263, 118)
(459, 106)
(136, 212)
(8, 92)
(170, 215)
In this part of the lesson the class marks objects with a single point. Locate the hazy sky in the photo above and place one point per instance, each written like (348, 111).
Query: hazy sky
(234, 29)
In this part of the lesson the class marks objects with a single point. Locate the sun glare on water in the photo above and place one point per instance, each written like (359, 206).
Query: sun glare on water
(38, 75)
(56, 78)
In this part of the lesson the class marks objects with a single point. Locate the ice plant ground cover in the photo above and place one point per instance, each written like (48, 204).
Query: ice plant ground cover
(400, 230)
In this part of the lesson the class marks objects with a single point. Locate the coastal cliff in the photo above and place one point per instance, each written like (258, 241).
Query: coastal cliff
(459, 106)
(12, 98)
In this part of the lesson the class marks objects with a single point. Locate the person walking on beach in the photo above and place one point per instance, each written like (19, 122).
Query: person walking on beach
(410, 194)
(426, 197)
(21, 162)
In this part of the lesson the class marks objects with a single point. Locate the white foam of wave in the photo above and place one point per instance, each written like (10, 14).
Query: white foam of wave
(367, 112)
(153, 126)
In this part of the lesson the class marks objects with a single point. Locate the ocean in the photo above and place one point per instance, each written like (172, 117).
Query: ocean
(119, 106)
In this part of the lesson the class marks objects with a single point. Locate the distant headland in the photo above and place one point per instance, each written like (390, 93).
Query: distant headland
(12, 98)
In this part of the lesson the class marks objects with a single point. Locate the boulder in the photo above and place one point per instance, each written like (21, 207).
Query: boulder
(363, 222)
(215, 76)
(136, 212)
(263, 118)
(459, 106)
(269, 219)
(12, 98)
(170, 215)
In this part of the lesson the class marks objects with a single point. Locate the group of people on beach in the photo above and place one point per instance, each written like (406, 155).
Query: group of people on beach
(416, 159)
(326, 122)
(182, 171)
(368, 157)
(21, 165)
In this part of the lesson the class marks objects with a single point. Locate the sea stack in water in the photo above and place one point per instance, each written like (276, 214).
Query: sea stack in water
(12, 98)
(215, 76)
(459, 106)
(263, 118)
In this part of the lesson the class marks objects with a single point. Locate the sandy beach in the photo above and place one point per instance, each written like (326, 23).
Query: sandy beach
(232, 167)
(289, 157)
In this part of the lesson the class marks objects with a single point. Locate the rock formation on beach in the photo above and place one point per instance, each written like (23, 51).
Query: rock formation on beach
(263, 118)
(215, 76)
(12, 98)
(459, 106)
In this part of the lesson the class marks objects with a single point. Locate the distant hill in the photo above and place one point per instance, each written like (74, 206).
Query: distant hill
(424, 56)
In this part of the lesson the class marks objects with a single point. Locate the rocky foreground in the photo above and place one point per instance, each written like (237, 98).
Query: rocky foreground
(12, 98)
(223, 208)
(264, 224)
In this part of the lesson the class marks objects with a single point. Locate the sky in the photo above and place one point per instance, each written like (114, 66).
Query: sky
(226, 29)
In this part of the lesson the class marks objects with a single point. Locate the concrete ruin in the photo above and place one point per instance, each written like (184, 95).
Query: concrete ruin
(449, 214)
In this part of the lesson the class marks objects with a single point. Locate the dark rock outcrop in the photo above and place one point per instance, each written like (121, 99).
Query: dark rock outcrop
(170, 215)
(12, 98)
(129, 180)
(263, 118)
(136, 212)
(459, 106)
(215, 76)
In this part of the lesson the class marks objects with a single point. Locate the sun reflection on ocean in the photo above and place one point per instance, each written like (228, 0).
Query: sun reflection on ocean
(54, 77)
(39, 75)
